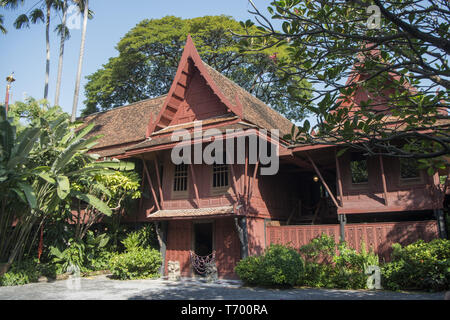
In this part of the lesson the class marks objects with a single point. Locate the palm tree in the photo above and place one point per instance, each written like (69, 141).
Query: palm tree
(2, 28)
(40, 14)
(83, 4)
(65, 35)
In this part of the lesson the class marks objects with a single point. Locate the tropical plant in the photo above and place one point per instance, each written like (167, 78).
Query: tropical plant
(41, 169)
(64, 34)
(112, 188)
(41, 12)
(84, 6)
(72, 258)
(150, 52)
(142, 238)
(18, 201)
(2, 27)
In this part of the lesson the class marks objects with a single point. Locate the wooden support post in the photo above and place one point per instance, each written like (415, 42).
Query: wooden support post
(246, 178)
(142, 190)
(339, 179)
(233, 178)
(155, 198)
(194, 181)
(383, 179)
(440, 217)
(159, 182)
(161, 232)
(342, 223)
(241, 228)
(323, 181)
(253, 182)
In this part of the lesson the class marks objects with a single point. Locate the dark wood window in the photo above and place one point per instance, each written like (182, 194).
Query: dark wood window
(220, 175)
(180, 178)
(409, 169)
(358, 168)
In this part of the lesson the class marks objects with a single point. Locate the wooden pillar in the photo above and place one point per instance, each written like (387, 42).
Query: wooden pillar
(142, 191)
(158, 178)
(323, 181)
(339, 179)
(442, 227)
(241, 228)
(342, 222)
(194, 182)
(383, 179)
(237, 191)
(161, 232)
(246, 179)
(155, 198)
(253, 182)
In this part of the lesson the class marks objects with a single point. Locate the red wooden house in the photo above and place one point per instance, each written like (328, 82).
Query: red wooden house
(233, 210)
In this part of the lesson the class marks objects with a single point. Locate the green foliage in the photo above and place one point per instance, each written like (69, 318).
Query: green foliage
(20, 273)
(150, 52)
(72, 256)
(331, 44)
(278, 266)
(331, 265)
(97, 256)
(137, 263)
(145, 238)
(421, 265)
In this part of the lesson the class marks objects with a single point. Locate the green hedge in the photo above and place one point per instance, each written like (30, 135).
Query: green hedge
(421, 265)
(137, 263)
(332, 265)
(278, 266)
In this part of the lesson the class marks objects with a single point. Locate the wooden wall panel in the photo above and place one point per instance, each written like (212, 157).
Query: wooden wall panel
(378, 236)
(179, 245)
(227, 247)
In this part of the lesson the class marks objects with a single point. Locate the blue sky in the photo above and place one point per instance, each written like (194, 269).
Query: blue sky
(23, 51)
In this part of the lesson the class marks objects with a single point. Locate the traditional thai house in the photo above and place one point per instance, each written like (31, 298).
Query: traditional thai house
(225, 210)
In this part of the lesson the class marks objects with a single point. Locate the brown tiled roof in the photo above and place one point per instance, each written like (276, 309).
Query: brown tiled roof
(254, 110)
(192, 213)
(124, 124)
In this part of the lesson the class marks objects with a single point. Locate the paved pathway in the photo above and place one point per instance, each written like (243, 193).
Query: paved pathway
(103, 288)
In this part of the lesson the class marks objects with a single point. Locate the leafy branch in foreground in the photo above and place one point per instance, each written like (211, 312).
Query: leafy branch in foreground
(382, 90)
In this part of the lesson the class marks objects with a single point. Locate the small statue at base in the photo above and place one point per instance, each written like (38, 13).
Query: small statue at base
(173, 268)
(211, 272)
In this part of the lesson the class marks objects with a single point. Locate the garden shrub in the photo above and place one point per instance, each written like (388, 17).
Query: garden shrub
(137, 263)
(20, 273)
(142, 238)
(331, 265)
(278, 266)
(72, 256)
(421, 265)
(96, 255)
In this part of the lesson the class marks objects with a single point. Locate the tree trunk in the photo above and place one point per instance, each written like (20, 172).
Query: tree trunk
(61, 53)
(47, 40)
(80, 61)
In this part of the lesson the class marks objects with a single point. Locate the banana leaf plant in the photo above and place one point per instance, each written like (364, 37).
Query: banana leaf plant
(18, 201)
(38, 169)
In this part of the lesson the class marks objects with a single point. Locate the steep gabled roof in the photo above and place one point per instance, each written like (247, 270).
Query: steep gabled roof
(128, 126)
(237, 100)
